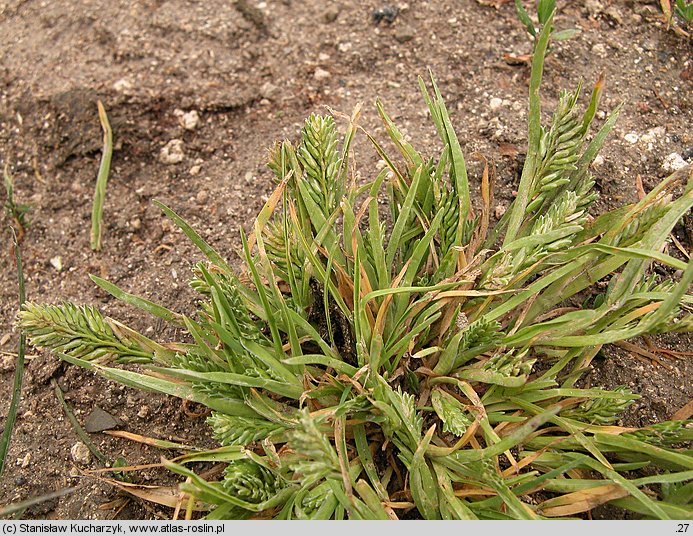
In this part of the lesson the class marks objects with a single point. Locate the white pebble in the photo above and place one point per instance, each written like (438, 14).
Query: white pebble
(57, 263)
(673, 162)
(495, 104)
(122, 85)
(172, 152)
(599, 50)
(631, 137)
(321, 74)
(188, 120)
(80, 453)
(25, 461)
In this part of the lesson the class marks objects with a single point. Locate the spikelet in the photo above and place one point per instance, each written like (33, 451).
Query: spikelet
(315, 457)
(242, 325)
(449, 205)
(197, 362)
(233, 430)
(638, 226)
(664, 433)
(315, 498)
(602, 411)
(563, 212)
(275, 160)
(249, 481)
(279, 252)
(559, 151)
(480, 333)
(456, 419)
(510, 364)
(405, 404)
(319, 155)
(80, 331)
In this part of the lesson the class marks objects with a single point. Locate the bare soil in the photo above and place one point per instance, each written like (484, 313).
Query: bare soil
(252, 72)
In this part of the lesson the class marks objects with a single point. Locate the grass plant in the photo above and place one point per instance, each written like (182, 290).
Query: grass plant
(419, 363)
(101, 179)
(11, 419)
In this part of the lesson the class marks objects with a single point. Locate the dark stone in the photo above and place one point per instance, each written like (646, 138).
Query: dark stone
(100, 420)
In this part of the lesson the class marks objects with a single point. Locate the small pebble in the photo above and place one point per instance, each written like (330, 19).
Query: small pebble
(172, 152)
(202, 197)
(631, 137)
(330, 14)
(25, 461)
(7, 363)
(404, 34)
(143, 412)
(599, 50)
(615, 14)
(122, 85)
(652, 136)
(673, 162)
(268, 90)
(80, 453)
(188, 120)
(321, 74)
(495, 103)
(100, 420)
(500, 211)
(57, 263)
(20, 480)
(135, 224)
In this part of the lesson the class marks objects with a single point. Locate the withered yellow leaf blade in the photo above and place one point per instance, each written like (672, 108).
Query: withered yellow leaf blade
(581, 501)
(163, 495)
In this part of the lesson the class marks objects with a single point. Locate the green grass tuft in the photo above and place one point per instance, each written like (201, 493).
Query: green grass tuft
(425, 368)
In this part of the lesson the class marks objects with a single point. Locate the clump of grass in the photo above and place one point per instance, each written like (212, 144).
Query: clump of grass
(370, 370)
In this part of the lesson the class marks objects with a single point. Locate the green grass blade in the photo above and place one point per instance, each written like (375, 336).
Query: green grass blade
(196, 239)
(101, 179)
(405, 216)
(141, 303)
(158, 385)
(19, 365)
(458, 167)
(519, 206)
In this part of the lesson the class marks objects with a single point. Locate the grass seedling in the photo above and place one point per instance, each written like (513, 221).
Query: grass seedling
(16, 212)
(19, 365)
(371, 367)
(101, 179)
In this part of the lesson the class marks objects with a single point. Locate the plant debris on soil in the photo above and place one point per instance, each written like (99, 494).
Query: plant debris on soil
(196, 94)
